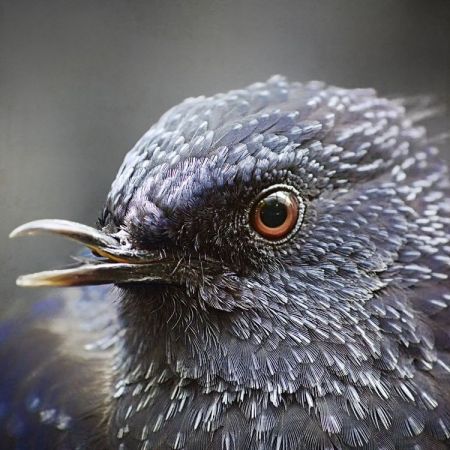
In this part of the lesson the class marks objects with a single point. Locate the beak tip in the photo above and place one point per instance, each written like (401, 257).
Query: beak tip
(21, 281)
(14, 233)
(21, 230)
(31, 280)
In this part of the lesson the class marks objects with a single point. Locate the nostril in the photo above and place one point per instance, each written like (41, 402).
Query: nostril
(123, 238)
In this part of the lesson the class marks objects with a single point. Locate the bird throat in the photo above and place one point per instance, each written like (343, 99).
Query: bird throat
(171, 361)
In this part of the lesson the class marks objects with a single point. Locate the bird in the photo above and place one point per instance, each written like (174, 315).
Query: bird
(270, 271)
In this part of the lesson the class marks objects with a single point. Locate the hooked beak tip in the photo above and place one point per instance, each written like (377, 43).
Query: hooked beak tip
(17, 232)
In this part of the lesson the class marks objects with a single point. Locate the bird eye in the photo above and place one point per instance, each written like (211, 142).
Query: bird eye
(276, 214)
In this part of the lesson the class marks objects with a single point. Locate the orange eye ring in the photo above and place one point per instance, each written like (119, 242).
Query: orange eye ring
(276, 215)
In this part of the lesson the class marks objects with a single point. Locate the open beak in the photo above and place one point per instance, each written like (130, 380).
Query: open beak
(116, 262)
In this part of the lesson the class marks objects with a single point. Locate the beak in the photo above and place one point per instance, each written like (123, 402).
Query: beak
(117, 263)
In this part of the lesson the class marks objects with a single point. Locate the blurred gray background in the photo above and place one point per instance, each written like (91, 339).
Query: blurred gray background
(80, 81)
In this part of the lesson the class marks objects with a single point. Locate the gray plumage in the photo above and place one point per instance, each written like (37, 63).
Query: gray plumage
(335, 338)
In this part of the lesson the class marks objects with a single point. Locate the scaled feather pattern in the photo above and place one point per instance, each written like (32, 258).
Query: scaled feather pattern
(337, 338)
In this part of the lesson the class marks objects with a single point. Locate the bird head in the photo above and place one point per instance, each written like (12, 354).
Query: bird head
(290, 213)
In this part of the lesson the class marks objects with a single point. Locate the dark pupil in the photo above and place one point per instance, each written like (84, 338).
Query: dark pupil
(273, 213)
